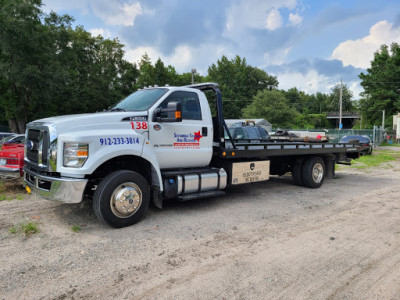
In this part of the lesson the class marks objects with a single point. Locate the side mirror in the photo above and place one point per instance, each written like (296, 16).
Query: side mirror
(173, 113)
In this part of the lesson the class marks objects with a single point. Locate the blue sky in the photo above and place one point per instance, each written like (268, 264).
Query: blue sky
(308, 44)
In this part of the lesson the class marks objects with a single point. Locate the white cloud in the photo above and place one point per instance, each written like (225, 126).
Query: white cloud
(111, 12)
(183, 58)
(135, 55)
(118, 14)
(276, 58)
(57, 5)
(100, 31)
(359, 53)
(295, 19)
(313, 82)
(256, 14)
(310, 82)
(274, 20)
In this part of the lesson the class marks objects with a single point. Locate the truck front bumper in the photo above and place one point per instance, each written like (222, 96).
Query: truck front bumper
(63, 189)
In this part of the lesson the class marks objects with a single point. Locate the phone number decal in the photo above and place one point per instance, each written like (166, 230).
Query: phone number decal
(107, 141)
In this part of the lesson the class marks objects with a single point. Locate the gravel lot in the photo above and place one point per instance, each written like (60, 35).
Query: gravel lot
(270, 240)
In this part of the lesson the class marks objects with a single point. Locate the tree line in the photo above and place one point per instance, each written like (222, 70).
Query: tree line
(49, 68)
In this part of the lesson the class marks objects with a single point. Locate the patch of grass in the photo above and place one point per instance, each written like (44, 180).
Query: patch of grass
(30, 228)
(76, 228)
(26, 228)
(377, 158)
(4, 197)
(13, 230)
(391, 145)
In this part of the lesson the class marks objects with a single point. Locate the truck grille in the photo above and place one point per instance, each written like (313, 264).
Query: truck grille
(33, 154)
(38, 146)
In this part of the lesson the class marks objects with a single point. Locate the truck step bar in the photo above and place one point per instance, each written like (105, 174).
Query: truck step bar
(194, 196)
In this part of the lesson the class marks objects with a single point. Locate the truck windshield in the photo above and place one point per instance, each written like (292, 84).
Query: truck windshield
(140, 100)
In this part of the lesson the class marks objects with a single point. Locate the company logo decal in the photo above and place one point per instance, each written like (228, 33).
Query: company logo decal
(187, 141)
(29, 145)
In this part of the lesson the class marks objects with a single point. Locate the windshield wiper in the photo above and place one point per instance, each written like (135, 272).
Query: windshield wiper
(117, 109)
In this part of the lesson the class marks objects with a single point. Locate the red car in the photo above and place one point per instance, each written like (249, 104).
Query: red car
(11, 160)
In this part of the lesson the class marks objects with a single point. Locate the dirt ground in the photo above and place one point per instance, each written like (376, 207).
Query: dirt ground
(270, 240)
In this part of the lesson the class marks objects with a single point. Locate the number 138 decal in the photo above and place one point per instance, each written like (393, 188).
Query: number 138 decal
(139, 125)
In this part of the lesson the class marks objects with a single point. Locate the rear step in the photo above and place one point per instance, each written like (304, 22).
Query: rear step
(194, 196)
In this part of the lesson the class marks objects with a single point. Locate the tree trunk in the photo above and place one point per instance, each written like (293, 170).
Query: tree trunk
(12, 123)
(21, 126)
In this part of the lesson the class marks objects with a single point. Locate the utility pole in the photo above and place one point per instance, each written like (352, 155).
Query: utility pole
(340, 105)
(193, 73)
(383, 119)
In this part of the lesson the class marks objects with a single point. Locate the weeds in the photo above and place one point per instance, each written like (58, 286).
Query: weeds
(26, 228)
(4, 197)
(76, 228)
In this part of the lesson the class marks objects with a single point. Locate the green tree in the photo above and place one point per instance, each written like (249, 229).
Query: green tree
(146, 72)
(24, 45)
(272, 105)
(381, 83)
(347, 99)
(47, 68)
(239, 83)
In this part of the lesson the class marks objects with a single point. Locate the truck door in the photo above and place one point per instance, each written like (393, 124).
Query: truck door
(187, 143)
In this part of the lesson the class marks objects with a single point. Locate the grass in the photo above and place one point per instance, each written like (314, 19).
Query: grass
(11, 190)
(26, 228)
(391, 145)
(4, 197)
(378, 158)
(76, 228)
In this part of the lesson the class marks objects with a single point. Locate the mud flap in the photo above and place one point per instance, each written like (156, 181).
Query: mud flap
(156, 196)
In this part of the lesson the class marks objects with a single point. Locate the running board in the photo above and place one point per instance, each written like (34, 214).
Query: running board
(200, 195)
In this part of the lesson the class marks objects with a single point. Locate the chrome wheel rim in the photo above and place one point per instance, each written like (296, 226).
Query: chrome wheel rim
(126, 200)
(318, 173)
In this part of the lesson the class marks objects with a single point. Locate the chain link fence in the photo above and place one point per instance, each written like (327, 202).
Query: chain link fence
(377, 134)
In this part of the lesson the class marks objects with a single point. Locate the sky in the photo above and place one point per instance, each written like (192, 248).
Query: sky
(308, 44)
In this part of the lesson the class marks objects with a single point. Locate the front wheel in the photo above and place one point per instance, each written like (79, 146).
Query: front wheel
(121, 198)
(313, 172)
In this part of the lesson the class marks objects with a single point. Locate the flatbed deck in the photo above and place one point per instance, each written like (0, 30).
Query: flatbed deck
(254, 150)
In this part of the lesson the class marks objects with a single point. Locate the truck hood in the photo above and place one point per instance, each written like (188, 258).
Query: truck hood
(109, 120)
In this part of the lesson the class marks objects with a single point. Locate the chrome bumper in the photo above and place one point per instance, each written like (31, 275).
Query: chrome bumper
(9, 172)
(66, 190)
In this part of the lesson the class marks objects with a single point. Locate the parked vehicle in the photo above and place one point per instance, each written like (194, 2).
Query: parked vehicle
(160, 143)
(13, 139)
(248, 131)
(5, 134)
(12, 160)
(364, 141)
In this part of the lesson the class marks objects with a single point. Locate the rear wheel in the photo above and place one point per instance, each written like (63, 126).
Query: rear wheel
(121, 198)
(313, 172)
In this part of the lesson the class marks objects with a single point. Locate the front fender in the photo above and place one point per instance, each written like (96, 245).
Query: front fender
(103, 151)
(103, 146)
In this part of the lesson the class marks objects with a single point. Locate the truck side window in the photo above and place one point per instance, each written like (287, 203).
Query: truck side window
(190, 104)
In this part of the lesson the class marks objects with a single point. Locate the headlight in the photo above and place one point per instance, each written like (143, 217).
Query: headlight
(75, 154)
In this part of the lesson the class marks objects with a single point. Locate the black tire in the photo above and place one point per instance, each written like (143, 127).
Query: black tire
(313, 172)
(297, 171)
(121, 198)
